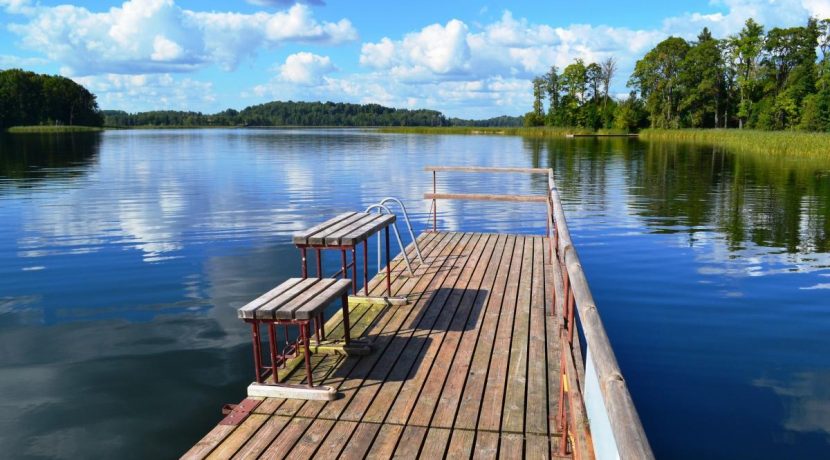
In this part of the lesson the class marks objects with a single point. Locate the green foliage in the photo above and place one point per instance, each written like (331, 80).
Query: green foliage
(630, 115)
(284, 114)
(658, 77)
(27, 98)
(765, 143)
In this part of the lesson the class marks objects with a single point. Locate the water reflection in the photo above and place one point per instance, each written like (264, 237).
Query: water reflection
(123, 259)
(29, 157)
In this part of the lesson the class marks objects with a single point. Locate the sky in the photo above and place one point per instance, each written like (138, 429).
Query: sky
(469, 59)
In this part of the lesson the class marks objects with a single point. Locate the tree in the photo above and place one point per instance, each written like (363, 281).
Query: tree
(747, 46)
(552, 88)
(657, 77)
(703, 79)
(609, 68)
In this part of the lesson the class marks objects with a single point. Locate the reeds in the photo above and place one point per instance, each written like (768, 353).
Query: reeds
(796, 144)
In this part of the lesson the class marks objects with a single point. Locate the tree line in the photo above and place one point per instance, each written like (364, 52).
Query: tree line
(288, 113)
(778, 79)
(28, 98)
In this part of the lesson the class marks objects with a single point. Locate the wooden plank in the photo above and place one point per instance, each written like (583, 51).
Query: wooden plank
(319, 237)
(410, 442)
(313, 306)
(487, 169)
(289, 436)
(337, 439)
(459, 371)
(310, 441)
(553, 328)
(491, 405)
(385, 442)
(485, 197)
(537, 447)
(461, 444)
(365, 223)
(511, 446)
(392, 364)
(286, 311)
(368, 230)
(471, 301)
(209, 442)
(248, 310)
(239, 437)
(435, 443)
(411, 378)
(536, 412)
(302, 237)
(468, 410)
(513, 415)
(262, 438)
(361, 440)
(267, 311)
(486, 445)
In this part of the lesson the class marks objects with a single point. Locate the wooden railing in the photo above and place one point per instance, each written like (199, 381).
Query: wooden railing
(596, 415)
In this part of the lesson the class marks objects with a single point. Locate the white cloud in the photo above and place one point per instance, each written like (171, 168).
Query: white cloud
(8, 61)
(305, 68)
(157, 36)
(149, 92)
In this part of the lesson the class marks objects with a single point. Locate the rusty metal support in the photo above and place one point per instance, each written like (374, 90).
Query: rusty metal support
(388, 265)
(354, 270)
(272, 343)
(257, 350)
(304, 262)
(347, 335)
(434, 205)
(366, 267)
(304, 334)
(319, 263)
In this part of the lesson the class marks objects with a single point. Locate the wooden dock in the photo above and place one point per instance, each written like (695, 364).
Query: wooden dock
(469, 366)
(483, 361)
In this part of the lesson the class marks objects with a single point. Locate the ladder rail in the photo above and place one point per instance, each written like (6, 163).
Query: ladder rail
(408, 224)
(380, 209)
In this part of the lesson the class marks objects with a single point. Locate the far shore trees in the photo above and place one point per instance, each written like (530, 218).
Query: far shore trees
(28, 98)
(770, 80)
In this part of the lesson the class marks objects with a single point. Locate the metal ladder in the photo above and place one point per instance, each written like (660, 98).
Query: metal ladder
(381, 207)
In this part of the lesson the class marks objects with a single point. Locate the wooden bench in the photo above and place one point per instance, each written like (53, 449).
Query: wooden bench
(344, 232)
(296, 302)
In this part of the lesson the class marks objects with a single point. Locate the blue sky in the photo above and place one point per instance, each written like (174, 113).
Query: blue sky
(470, 59)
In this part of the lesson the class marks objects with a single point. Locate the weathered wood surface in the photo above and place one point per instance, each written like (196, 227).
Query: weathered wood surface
(463, 370)
(345, 229)
(487, 169)
(296, 298)
(485, 197)
(628, 432)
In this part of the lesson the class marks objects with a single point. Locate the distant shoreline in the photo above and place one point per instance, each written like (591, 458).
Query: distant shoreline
(46, 129)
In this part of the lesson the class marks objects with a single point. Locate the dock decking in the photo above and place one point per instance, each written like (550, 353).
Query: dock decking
(468, 368)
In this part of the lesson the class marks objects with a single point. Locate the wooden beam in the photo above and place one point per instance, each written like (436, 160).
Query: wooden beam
(288, 391)
(485, 197)
(486, 169)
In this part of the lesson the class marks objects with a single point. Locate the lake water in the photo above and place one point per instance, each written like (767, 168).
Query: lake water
(124, 254)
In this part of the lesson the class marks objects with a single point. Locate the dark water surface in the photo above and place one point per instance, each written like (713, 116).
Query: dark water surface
(124, 254)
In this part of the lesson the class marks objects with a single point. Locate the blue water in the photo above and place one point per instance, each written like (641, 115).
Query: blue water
(123, 257)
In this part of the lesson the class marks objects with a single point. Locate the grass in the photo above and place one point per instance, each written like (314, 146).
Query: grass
(796, 144)
(545, 131)
(54, 129)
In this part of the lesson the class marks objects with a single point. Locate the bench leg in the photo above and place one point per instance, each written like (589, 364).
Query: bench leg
(388, 267)
(304, 334)
(346, 333)
(354, 270)
(272, 342)
(345, 268)
(366, 267)
(303, 263)
(322, 327)
(319, 264)
(257, 350)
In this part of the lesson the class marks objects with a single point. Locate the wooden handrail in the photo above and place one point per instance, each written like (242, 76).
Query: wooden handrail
(485, 197)
(484, 169)
(629, 435)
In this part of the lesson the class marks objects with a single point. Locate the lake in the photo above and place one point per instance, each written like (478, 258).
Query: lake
(124, 255)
